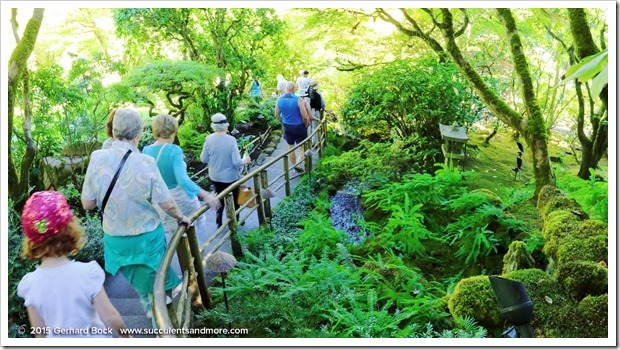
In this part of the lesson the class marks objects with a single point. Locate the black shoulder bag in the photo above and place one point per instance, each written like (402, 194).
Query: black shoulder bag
(107, 194)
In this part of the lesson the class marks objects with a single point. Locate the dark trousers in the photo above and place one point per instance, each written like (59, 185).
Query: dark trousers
(219, 187)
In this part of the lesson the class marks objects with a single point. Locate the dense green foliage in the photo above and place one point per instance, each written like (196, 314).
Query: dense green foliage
(235, 40)
(432, 238)
(591, 195)
(410, 97)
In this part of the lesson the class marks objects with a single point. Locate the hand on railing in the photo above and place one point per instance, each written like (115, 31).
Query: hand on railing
(210, 198)
(185, 220)
(246, 159)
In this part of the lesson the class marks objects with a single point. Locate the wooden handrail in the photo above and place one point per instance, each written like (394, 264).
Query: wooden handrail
(194, 265)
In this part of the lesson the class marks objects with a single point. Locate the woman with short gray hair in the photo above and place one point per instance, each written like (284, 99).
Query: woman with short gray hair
(220, 151)
(133, 238)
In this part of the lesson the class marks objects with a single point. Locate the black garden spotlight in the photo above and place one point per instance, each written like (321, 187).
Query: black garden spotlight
(514, 304)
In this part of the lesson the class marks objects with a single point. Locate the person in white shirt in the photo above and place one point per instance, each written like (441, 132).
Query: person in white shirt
(303, 82)
(64, 298)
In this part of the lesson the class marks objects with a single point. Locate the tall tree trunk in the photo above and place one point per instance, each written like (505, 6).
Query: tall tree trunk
(18, 184)
(536, 129)
(533, 128)
(594, 147)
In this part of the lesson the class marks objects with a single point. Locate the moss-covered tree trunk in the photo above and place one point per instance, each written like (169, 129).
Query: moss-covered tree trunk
(536, 129)
(594, 147)
(18, 183)
(533, 127)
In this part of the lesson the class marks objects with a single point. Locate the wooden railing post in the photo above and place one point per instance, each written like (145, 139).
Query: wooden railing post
(265, 184)
(308, 158)
(201, 279)
(319, 139)
(287, 177)
(229, 201)
(260, 209)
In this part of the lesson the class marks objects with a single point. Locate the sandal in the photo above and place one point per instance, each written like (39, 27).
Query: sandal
(298, 170)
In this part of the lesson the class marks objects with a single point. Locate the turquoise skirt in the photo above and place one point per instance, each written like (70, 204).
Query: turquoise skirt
(138, 258)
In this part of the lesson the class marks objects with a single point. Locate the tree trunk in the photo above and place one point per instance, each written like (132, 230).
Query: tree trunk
(536, 129)
(18, 184)
(594, 147)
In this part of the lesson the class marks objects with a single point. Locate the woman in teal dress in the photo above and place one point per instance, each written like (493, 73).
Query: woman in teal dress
(134, 241)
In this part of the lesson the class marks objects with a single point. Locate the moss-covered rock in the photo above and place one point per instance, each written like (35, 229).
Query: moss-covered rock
(475, 298)
(559, 225)
(590, 228)
(593, 249)
(490, 195)
(593, 315)
(554, 311)
(546, 194)
(563, 203)
(582, 278)
(517, 258)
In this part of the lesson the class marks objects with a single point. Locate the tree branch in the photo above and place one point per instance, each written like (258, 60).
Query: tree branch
(461, 31)
(14, 25)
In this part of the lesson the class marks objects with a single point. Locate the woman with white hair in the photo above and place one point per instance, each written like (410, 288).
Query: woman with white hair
(173, 169)
(133, 232)
(220, 151)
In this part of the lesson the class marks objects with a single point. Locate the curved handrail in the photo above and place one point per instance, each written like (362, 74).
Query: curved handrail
(185, 243)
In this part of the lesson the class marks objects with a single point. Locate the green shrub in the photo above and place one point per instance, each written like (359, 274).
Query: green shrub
(370, 163)
(191, 141)
(592, 249)
(18, 266)
(591, 194)
(594, 316)
(278, 294)
(583, 278)
(319, 236)
(93, 239)
(409, 97)
(473, 297)
(290, 212)
(517, 258)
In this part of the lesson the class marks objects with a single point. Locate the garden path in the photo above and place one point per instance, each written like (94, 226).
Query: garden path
(126, 300)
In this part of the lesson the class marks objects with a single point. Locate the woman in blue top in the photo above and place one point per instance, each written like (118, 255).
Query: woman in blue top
(295, 116)
(169, 159)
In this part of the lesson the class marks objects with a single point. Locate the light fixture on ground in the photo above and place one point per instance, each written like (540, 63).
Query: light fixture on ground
(515, 305)
(221, 262)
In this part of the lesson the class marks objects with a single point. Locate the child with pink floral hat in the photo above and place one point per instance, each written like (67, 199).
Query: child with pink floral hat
(64, 298)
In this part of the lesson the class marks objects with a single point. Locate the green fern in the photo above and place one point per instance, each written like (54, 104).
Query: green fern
(466, 327)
